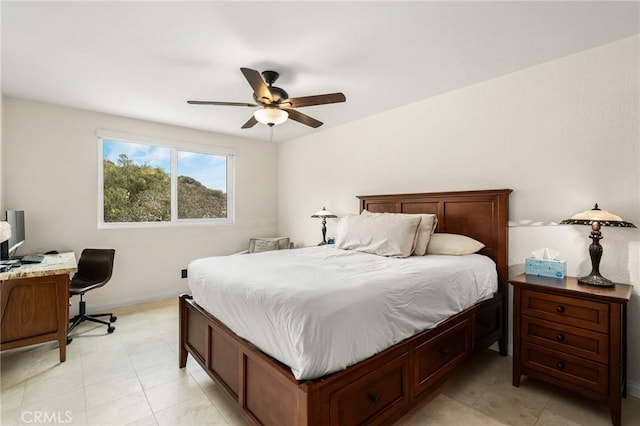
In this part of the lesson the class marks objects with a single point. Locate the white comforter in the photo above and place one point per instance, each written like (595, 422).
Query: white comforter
(320, 309)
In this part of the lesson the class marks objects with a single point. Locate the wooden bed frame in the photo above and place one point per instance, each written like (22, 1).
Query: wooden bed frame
(382, 388)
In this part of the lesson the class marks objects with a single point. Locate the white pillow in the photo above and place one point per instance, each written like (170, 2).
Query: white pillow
(384, 235)
(260, 244)
(453, 244)
(427, 227)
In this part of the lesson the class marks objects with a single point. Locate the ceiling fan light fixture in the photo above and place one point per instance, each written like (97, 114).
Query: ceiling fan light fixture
(278, 107)
(271, 116)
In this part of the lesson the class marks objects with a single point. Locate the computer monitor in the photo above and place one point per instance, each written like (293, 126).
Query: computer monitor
(16, 221)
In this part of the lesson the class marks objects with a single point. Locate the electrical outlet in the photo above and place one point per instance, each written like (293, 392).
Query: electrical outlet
(184, 273)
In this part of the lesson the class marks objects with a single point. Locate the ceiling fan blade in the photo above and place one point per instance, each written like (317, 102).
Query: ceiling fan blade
(330, 98)
(221, 103)
(302, 118)
(250, 123)
(260, 89)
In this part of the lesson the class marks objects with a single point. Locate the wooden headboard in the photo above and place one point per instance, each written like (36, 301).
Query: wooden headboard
(482, 215)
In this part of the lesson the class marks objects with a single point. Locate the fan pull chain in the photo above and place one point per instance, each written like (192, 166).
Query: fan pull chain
(270, 134)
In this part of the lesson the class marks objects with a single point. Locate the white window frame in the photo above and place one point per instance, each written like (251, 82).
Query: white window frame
(175, 147)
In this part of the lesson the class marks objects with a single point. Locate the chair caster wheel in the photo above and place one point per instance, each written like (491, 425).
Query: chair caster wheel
(111, 329)
(69, 340)
(113, 319)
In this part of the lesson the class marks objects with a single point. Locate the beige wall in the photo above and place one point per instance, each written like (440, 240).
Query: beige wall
(50, 171)
(563, 135)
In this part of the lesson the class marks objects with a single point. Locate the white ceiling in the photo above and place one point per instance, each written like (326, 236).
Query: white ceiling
(145, 59)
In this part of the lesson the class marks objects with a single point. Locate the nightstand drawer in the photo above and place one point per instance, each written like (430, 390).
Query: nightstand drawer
(566, 368)
(566, 310)
(564, 338)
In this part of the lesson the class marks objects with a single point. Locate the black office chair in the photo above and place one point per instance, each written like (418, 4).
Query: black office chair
(94, 270)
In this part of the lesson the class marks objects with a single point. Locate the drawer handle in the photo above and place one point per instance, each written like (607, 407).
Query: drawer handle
(560, 337)
(373, 398)
(444, 351)
(560, 365)
(560, 309)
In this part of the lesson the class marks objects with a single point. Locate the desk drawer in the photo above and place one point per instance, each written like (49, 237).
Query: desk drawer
(566, 368)
(564, 338)
(374, 396)
(566, 310)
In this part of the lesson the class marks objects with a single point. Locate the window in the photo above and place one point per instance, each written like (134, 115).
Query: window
(150, 183)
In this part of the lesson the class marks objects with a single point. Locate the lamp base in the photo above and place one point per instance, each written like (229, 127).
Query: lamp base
(322, 243)
(596, 280)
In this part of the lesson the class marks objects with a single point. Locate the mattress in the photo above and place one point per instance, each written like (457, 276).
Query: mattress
(321, 309)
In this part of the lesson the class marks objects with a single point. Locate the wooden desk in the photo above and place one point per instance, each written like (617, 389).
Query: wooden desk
(34, 303)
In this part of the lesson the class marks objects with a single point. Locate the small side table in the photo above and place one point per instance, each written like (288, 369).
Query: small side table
(573, 336)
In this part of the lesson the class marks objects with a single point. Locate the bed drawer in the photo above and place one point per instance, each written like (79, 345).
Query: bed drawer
(382, 390)
(437, 356)
(561, 367)
(572, 340)
(567, 310)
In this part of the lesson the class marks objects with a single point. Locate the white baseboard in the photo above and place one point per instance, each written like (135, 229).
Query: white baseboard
(509, 348)
(633, 389)
(73, 308)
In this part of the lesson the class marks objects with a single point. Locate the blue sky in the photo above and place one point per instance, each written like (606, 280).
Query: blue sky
(208, 169)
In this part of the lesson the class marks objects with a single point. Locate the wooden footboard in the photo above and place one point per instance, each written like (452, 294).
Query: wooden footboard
(380, 389)
(377, 390)
(264, 390)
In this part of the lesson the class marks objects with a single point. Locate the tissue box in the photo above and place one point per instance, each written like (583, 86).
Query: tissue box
(546, 268)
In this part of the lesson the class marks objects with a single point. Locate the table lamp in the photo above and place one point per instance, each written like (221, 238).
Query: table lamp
(596, 218)
(324, 214)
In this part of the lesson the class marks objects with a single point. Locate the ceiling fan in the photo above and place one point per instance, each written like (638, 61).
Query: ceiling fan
(275, 102)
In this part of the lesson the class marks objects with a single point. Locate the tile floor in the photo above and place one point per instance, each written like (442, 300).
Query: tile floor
(131, 377)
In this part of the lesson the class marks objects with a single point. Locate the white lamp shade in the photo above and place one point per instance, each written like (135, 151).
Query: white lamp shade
(599, 215)
(324, 213)
(271, 116)
(5, 231)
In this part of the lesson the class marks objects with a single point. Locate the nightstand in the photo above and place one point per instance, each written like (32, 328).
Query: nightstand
(573, 336)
